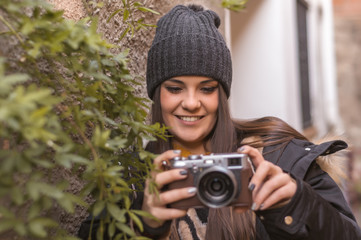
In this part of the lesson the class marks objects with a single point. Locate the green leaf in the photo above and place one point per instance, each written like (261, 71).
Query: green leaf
(124, 33)
(38, 226)
(116, 212)
(39, 113)
(100, 137)
(114, 170)
(98, 207)
(35, 189)
(125, 15)
(66, 204)
(34, 210)
(68, 159)
(37, 96)
(125, 228)
(6, 224)
(136, 220)
(121, 182)
(9, 81)
(17, 195)
(144, 154)
(27, 27)
(111, 229)
(6, 213)
(127, 202)
(144, 214)
(234, 5)
(20, 228)
(113, 14)
(116, 143)
(145, 9)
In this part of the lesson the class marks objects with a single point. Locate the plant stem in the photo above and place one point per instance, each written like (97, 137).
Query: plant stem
(11, 29)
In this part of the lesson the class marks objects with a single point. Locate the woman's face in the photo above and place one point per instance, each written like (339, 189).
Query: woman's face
(189, 107)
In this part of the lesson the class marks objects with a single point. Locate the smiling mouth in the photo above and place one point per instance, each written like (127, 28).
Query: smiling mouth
(190, 118)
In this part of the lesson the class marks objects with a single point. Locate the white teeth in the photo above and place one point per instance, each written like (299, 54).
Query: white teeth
(190, 119)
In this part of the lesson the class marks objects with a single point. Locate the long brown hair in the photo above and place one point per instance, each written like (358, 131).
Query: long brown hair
(227, 136)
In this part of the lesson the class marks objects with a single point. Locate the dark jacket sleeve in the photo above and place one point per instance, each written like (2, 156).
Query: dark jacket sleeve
(318, 210)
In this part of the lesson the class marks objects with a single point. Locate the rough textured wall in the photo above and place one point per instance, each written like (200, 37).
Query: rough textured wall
(73, 9)
(347, 18)
(347, 8)
(348, 57)
(348, 53)
(138, 46)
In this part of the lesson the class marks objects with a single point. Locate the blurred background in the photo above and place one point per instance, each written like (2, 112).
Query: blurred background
(301, 61)
(347, 27)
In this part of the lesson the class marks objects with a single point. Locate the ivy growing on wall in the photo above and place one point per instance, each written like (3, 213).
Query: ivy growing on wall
(66, 102)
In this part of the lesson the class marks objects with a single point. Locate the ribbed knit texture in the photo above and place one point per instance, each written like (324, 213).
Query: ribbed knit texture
(187, 43)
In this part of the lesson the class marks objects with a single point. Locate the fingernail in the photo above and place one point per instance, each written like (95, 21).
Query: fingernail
(183, 172)
(192, 190)
(254, 206)
(251, 187)
(241, 149)
(261, 206)
(164, 163)
(177, 151)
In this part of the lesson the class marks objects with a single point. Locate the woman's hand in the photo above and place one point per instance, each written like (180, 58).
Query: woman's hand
(270, 186)
(156, 204)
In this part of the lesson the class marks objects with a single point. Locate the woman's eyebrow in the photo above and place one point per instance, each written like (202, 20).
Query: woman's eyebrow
(209, 80)
(175, 81)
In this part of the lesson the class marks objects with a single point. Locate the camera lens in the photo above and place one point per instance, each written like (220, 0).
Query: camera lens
(214, 184)
(216, 187)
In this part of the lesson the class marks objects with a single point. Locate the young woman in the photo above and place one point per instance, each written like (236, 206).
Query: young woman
(189, 77)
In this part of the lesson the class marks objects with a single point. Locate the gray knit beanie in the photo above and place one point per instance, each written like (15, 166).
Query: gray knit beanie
(187, 42)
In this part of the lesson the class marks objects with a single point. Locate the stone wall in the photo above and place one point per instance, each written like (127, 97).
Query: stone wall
(347, 29)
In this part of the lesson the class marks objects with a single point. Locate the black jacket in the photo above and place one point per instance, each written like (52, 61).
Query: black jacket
(318, 210)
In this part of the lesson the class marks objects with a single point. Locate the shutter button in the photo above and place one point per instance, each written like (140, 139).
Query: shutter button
(288, 220)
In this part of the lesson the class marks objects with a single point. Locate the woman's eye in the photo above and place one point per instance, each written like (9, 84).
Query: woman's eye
(208, 89)
(173, 89)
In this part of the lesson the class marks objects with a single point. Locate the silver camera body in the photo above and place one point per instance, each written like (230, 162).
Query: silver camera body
(221, 180)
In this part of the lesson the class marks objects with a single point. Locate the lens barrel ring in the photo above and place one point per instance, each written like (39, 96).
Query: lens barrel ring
(216, 187)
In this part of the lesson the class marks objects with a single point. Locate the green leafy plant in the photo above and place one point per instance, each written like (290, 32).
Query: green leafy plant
(67, 104)
(234, 5)
(132, 24)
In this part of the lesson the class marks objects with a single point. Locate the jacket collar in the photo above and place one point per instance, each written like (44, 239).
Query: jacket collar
(297, 156)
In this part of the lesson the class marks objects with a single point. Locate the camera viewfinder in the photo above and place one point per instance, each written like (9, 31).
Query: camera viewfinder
(234, 162)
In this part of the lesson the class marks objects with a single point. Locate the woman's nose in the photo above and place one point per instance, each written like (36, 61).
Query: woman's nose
(191, 102)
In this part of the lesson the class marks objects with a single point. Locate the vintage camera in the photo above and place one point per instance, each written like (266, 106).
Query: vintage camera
(221, 180)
